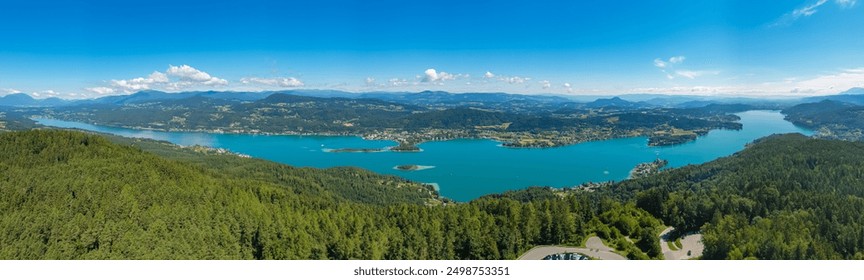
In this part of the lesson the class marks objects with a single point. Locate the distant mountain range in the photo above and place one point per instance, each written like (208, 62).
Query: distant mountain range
(853, 95)
(501, 101)
(433, 97)
(24, 100)
(617, 102)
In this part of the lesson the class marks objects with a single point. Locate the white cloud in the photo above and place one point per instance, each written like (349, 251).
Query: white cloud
(508, 79)
(545, 84)
(438, 77)
(846, 3)
(132, 85)
(184, 77)
(433, 76)
(396, 82)
(692, 74)
(45, 94)
(515, 79)
(568, 87)
(668, 67)
(101, 90)
(9, 90)
(825, 84)
(188, 73)
(158, 77)
(370, 81)
(803, 91)
(137, 84)
(677, 59)
(179, 85)
(809, 10)
(659, 63)
(287, 82)
(694, 90)
(290, 82)
(831, 83)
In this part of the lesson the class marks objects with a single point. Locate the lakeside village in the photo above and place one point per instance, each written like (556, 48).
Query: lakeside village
(641, 170)
(214, 151)
(408, 140)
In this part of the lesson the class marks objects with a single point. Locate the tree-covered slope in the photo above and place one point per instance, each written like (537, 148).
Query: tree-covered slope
(11, 120)
(831, 119)
(784, 197)
(69, 195)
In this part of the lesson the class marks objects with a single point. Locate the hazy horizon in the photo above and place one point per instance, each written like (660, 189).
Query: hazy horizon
(573, 96)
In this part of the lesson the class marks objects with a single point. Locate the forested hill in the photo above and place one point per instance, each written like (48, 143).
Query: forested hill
(784, 197)
(830, 119)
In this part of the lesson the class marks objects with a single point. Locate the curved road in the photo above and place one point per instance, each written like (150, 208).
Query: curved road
(690, 242)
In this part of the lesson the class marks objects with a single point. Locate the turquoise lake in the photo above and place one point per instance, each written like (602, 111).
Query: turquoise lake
(469, 168)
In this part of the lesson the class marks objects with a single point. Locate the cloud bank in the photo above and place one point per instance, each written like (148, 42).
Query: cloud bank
(174, 78)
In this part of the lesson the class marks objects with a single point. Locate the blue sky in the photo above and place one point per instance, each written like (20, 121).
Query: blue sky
(79, 49)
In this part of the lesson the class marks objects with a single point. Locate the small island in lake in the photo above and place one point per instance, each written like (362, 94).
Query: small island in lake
(405, 147)
(407, 167)
(402, 147)
(412, 167)
(355, 150)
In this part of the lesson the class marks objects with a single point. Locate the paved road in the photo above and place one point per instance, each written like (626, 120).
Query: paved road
(596, 243)
(596, 249)
(690, 242)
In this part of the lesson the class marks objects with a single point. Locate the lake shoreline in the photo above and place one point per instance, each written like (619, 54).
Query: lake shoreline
(467, 168)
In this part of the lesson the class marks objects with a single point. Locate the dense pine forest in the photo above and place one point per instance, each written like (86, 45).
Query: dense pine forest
(74, 195)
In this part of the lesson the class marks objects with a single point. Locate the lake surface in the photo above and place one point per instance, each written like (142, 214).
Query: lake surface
(469, 168)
